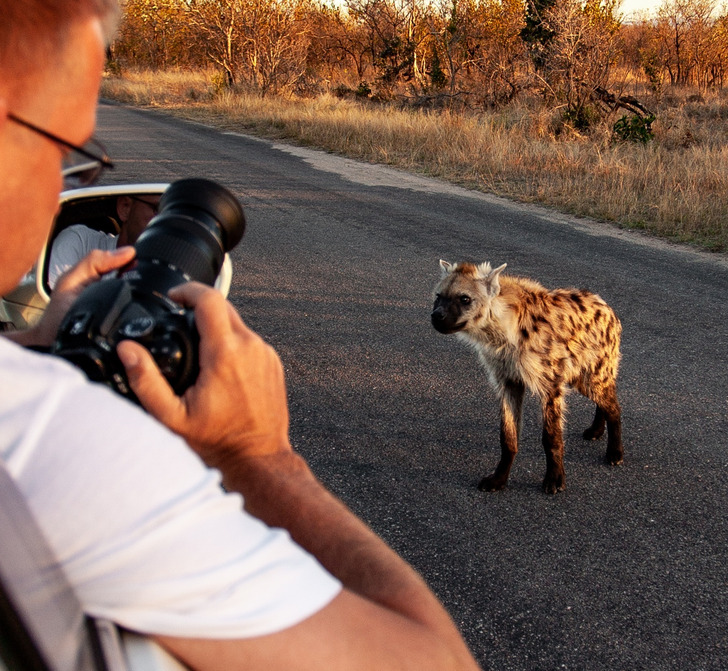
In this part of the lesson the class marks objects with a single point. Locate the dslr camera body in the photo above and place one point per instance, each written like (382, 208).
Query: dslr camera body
(198, 222)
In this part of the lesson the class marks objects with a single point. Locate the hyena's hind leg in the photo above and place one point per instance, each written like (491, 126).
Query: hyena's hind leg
(609, 403)
(608, 414)
(510, 426)
(596, 430)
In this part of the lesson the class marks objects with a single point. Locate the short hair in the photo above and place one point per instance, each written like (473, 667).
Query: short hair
(34, 32)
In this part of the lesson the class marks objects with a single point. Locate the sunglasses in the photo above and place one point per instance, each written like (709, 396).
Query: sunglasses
(83, 165)
(154, 207)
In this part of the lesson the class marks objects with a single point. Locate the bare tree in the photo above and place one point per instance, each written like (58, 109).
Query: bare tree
(718, 63)
(481, 46)
(152, 33)
(501, 58)
(261, 42)
(451, 26)
(396, 32)
(274, 43)
(339, 46)
(685, 30)
(219, 23)
(580, 57)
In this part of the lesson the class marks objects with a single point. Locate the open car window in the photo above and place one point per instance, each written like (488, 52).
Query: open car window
(94, 207)
(97, 212)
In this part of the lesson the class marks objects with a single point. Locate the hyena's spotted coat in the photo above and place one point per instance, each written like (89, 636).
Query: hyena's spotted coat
(528, 337)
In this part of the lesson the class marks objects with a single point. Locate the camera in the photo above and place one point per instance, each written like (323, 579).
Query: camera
(198, 222)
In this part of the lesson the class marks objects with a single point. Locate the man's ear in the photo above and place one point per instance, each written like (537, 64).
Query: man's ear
(3, 110)
(123, 207)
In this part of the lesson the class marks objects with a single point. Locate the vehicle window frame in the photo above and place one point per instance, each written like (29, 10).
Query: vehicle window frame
(78, 208)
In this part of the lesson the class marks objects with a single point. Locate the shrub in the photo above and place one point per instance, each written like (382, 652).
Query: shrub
(581, 118)
(363, 90)
(219, 83)
(634, 128)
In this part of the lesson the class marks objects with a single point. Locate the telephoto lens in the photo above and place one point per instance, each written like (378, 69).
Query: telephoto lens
(198, 222)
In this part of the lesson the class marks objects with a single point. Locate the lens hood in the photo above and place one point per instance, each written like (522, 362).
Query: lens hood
(211, 198)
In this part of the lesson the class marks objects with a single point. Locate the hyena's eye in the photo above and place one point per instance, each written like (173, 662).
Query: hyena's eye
(465, 300)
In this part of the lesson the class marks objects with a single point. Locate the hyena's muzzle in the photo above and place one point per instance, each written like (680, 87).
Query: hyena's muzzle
(447, 315)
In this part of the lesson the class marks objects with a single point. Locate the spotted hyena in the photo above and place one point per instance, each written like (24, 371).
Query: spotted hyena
(528, 337)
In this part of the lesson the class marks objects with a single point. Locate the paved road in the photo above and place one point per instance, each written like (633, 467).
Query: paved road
(625, 570)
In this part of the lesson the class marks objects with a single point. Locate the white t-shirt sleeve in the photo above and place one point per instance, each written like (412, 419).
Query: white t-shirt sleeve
(71, 245)
(141, 527)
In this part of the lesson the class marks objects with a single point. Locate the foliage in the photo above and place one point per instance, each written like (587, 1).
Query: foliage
(581, 118)
(651, 68)
(481, 52)
(536, 33)
(634, 128)
(363, 90)
(219, 82)
(438, 78)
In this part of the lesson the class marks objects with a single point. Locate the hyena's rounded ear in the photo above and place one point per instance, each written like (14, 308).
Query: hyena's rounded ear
(446, 267)
(492, 281)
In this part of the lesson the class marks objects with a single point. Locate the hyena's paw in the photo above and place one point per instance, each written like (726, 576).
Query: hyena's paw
(593, 433)
(554, 482)
(614, 456)
(493, 483)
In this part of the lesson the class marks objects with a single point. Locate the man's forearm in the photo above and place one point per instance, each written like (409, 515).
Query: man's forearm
(281, 490)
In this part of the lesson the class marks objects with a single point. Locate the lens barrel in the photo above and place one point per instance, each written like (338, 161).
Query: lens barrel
(196, 195)
(198, 222)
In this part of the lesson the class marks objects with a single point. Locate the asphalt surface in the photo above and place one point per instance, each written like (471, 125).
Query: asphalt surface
(626, 569)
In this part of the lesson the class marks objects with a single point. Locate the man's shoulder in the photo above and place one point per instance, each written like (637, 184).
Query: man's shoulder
(87, 236)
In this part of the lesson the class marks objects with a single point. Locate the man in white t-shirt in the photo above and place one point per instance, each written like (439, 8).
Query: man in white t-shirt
(134, 513)
(72, 244)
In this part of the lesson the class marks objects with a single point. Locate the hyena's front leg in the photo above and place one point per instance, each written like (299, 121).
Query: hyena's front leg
(553, 442)
(511, 404)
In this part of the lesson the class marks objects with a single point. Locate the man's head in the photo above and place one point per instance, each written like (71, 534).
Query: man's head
(134, 213)
(51, 58)
(33, 33)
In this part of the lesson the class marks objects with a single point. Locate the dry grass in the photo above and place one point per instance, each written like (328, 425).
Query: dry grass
(675, 187)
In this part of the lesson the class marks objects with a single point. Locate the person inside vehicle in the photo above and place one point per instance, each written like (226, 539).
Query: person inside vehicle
(271, 572)
(72, 244)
